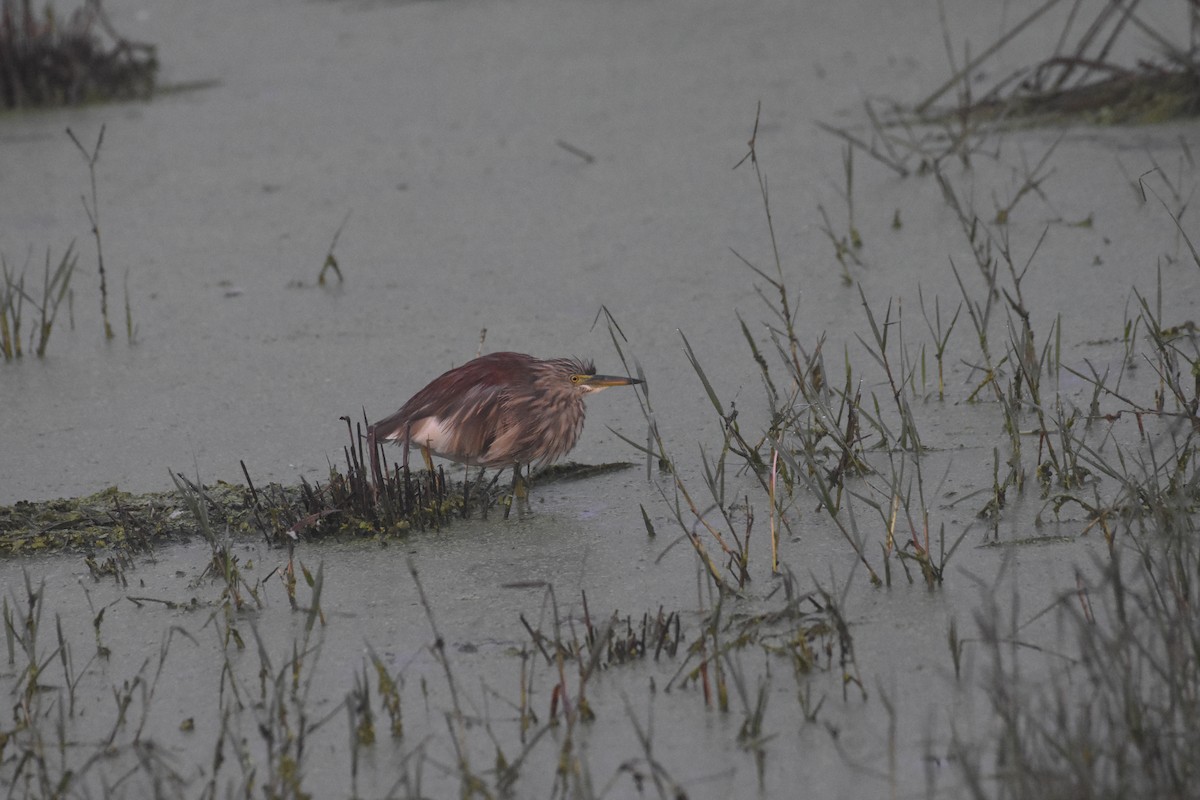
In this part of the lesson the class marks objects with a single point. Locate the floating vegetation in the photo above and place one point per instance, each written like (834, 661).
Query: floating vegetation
(49, 61)
(1141, 96)
(349, 503)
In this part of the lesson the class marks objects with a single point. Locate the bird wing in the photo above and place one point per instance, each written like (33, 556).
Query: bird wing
(463, 413)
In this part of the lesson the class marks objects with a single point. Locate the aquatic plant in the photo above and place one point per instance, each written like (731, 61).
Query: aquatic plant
(47, 60)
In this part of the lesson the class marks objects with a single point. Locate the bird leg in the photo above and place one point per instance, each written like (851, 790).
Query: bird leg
(518, 492)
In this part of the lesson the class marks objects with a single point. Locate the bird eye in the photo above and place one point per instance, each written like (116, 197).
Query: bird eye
(576, 379)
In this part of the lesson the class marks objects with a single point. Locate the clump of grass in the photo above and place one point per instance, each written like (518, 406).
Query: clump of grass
(615, 641)
(806, 630)
(1080, 81)
(41, 758)
(574, 649)
(56, 284)
(850, 448)
(225, 564)
(1119, 718)
(46, 60)
(820, 432)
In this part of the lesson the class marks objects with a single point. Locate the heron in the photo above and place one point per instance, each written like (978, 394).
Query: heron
(498, 410)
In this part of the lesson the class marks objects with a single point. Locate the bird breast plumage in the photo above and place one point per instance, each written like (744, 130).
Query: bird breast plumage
(534, 427)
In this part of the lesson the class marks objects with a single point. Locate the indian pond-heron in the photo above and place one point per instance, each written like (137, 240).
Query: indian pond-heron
(499, 410)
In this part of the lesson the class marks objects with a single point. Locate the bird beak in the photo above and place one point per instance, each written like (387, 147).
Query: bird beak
(598, 382)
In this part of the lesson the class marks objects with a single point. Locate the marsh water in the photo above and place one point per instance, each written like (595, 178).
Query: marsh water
(500, 173)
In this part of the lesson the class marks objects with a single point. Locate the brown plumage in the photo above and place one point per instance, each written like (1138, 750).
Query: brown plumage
(500, 410)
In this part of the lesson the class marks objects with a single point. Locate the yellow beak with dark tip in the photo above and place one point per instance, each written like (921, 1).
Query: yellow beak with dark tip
(594, 383)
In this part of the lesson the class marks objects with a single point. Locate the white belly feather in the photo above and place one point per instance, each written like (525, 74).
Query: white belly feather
(428, 432)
